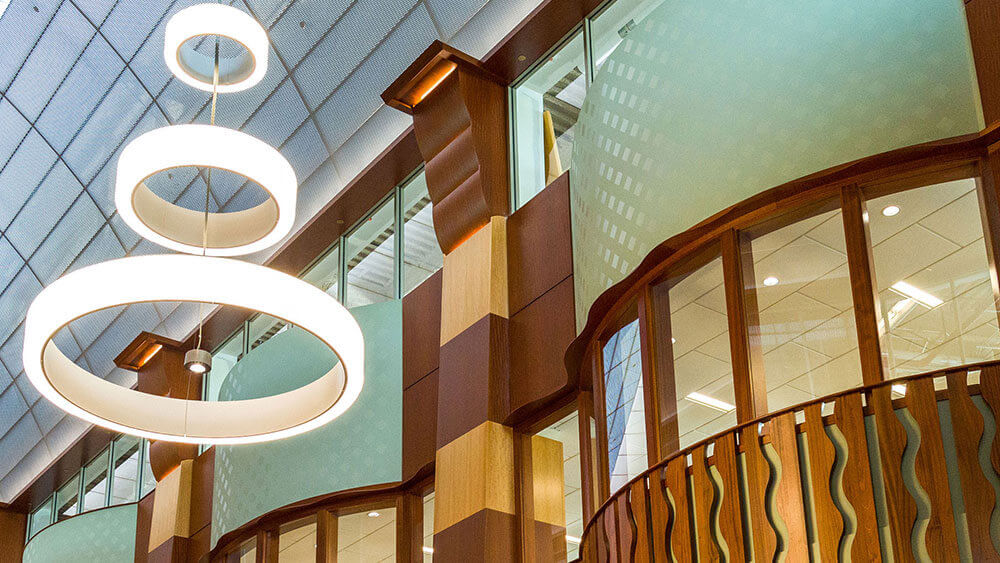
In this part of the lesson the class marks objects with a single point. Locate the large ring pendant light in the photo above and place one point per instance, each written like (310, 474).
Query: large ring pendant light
(197, 69)
(218, 280)
(178, 228)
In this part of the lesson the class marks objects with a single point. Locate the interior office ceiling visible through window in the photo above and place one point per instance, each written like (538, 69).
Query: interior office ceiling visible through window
(79, 78)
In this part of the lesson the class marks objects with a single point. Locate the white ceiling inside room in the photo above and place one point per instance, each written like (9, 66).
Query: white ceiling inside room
(80, 78)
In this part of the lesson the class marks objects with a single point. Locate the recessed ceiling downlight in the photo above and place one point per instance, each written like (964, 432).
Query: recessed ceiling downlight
(890, 210)
(153, 278)
(770, 281)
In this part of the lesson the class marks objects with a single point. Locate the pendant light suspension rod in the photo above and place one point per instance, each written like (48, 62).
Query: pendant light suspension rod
(208, 182)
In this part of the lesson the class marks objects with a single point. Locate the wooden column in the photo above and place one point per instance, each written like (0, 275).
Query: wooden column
(13, 529)
(983, 17)
(409, 528)
(170, 528)
(326, 537)
(460, 122)
(989, 207)
(867, 310)
(744, 327)
(660, 397)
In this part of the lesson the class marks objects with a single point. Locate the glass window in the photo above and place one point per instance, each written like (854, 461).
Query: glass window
(245, 553)
(623, 394)
(223, 360)
(297, 541)
(421, 253)
(68, 499)
(40, 518)
(806, 311)
(428, 543)
(546, 106)
(325, 272)
(700, 400)
(932, 277)
(148, 482)
(613, 25)
(95, 482)
(261, 328)
(567, 432)
(367, 536)
(125, 469)
(371, 273)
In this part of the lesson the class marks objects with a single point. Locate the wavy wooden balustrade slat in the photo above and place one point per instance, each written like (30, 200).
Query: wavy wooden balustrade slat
(822, 458)
(977, 492)
(677, 512)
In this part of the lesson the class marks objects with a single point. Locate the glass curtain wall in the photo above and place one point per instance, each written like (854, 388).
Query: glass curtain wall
(624, 406)
(546, 105)
(112, 477)
(932, 275)
(567, 433)
(371, 256)
(805, 308)
(421, 253)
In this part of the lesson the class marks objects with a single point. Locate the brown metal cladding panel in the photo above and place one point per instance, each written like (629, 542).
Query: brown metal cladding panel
(200, 545)
(471, 378)
(201, 490)
(539, 245)
(539, 335)
(419, 425)
(550, 543)
(12, 532)
(144, 520)
(421, 329)
(174, 550)
(486, 536)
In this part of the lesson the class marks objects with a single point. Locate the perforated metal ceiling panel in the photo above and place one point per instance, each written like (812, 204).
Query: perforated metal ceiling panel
(80, 78)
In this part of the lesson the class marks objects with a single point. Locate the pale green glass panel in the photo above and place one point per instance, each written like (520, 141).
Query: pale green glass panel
(297, 541)
(95, 482)
(933, 279)
(567, 432)
(223, 360)
(371, 271)
(702, 107)
(105, 535)
(557, 86)
(124, 483)
(251, 480)
(806, 310)
(421, 252)
(67, 499)
(367, 536)
(614, 24)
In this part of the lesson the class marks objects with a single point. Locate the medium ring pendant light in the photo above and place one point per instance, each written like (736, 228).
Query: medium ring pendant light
(178, 228)
(197, 69)
(203, 279)
(166, 277)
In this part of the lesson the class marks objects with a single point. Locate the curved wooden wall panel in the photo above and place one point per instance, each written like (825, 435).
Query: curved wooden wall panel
(651, 518)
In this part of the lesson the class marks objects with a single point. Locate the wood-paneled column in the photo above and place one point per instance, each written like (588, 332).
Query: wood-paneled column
(744, 327)
(460, 122)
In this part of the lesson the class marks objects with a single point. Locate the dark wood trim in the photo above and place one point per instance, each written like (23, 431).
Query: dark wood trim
(903, 162)
(987, 186)
(662, 436)
(524, 501)
(326, 537)
(749, 383)
(601, 419)
(409, 527)
(864, 291)
(588, 467)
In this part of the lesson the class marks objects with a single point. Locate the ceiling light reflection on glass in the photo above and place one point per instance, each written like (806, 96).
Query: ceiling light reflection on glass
(917, 294)
(710, 402)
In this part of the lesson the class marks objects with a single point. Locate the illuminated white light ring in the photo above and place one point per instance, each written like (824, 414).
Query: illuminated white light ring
(178, 228)
(197, 69)
(216, 280)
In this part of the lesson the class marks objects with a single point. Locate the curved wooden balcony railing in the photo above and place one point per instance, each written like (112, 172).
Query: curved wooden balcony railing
(913, 478)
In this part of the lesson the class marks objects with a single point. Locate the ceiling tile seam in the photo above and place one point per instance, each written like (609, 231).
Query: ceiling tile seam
(476, 13)
(434, 20)
(32, 50)
(277, 17)
(298, 90)
(59, 158)
(17, 146)
(37, 426)
(58, 154)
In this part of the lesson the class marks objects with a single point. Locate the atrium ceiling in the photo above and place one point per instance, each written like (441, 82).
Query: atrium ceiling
(81, 78)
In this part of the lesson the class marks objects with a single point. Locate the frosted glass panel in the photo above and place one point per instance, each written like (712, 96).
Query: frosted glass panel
(704, 106)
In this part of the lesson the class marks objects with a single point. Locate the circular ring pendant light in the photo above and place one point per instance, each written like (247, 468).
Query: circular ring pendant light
(197, 69)
(181, 229)
(203, 279)
(219, 280)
